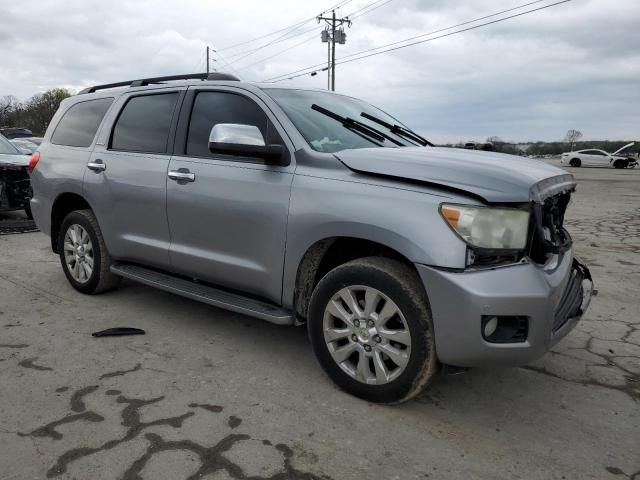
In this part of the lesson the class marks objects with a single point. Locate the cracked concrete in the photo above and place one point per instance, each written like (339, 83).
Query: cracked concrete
(214, 395)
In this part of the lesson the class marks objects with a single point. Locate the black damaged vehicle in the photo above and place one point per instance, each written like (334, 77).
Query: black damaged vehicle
(15, 184)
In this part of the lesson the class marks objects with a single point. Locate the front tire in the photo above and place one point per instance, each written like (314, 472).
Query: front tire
(620, 164)
(575, 162)
(83, 254)
(370, 327)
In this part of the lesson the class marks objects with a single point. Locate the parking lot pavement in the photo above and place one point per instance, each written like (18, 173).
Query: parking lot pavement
(209, 394)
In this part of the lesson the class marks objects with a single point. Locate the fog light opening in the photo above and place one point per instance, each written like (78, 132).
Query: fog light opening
(505, 328)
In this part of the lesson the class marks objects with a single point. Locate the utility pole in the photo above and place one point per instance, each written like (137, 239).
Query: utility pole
(334, 33)
(325, 37)
(207, 59)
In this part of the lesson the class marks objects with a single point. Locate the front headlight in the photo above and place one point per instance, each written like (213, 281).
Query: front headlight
(488, 227)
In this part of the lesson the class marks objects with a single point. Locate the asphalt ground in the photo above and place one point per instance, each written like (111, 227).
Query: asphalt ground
(209, 394)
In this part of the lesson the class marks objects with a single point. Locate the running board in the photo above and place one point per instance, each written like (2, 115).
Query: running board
(204, 293)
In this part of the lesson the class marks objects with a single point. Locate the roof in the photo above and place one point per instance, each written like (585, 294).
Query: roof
(159, 80)
(189, 79)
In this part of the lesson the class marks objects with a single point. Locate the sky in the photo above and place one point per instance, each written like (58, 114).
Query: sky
(571, 66)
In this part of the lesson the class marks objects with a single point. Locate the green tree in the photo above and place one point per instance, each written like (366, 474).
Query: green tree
(35, 113)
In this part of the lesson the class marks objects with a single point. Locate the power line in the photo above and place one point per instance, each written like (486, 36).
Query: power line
(316, 29)
(338, 5)
(306, 40)
(384, 2)
(224, 61)
(354, 15)
(246, 53)
(230, 47)
(421, 35)
(360, 55)
(455, 26)
(460, 31)
(284, 38)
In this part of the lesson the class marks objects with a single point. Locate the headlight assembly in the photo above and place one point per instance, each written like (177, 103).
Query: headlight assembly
(488, 227)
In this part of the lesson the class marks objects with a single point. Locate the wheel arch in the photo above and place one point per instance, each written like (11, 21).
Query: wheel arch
(64, 204)
(325, 254)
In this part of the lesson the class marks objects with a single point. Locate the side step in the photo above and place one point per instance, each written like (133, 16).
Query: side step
(204, 293)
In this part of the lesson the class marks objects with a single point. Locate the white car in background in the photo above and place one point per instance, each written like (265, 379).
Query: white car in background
(25, 146)
(599, 158)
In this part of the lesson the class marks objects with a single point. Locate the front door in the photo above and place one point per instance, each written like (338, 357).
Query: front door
(126, 177)
(227, 214)
(599, 158)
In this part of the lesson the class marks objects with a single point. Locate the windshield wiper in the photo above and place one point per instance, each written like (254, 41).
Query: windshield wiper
(357, 127)
(398, 130)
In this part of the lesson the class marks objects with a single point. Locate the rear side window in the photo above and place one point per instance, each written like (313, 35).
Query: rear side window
(144, 124)
(79, 124)
(211, 108)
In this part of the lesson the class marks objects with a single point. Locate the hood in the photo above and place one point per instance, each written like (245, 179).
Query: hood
(14, 160)
(495, 177)
(624, 148)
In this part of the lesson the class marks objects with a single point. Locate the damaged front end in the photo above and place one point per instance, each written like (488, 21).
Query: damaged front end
(15, 187)
(550, 199)
(550, 240)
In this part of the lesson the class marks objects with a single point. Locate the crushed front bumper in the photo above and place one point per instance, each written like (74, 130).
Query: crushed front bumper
(551, 301)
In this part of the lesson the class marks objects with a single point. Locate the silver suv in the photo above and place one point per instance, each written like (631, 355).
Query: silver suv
(302, 206)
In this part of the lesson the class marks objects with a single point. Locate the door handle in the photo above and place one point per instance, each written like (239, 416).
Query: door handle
(97, 166)
(182, 175)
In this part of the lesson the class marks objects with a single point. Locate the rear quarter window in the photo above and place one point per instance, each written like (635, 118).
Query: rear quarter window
(79, 124)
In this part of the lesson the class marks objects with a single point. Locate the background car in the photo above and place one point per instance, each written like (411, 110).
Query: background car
(36, 140)
(15, 184)
(25, 146)
(15, 132)
(597, 158)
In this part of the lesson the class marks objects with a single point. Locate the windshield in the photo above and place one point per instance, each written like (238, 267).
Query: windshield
(326, 134)
(7, 147)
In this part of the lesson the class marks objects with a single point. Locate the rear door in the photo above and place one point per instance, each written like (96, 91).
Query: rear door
(228, 224)
(587, 157)
(125, 180)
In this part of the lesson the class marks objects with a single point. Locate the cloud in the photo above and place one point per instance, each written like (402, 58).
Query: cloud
(576, 65)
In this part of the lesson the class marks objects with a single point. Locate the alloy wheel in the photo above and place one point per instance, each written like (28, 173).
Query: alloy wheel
(78, 253)
(367, 335)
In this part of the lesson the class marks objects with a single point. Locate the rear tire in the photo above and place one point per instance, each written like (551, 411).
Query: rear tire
(84, 255)
(391, 314)
(575, 162)
(27, 211)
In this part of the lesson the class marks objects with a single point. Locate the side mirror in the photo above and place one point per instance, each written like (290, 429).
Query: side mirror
(243, 140)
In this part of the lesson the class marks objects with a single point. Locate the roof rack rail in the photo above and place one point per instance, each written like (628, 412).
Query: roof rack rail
(147, 81)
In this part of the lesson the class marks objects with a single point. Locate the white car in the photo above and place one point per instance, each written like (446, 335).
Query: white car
(25, 146)
(598, 158)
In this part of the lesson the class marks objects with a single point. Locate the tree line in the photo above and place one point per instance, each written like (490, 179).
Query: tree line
(34, 113)
(571, 142)
(556, 148)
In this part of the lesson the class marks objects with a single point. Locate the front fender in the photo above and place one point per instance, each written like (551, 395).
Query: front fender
(401, 219)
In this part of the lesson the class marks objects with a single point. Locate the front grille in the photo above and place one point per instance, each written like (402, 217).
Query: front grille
(571, 302)
(548, 233)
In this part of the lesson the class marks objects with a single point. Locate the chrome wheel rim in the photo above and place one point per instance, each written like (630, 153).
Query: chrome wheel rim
(367, 335)
(78, 253)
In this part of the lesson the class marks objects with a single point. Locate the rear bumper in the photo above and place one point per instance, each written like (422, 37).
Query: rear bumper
(41, 216)
(552, 301)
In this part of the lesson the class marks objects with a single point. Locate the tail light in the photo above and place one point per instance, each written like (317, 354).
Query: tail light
(35, 158)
